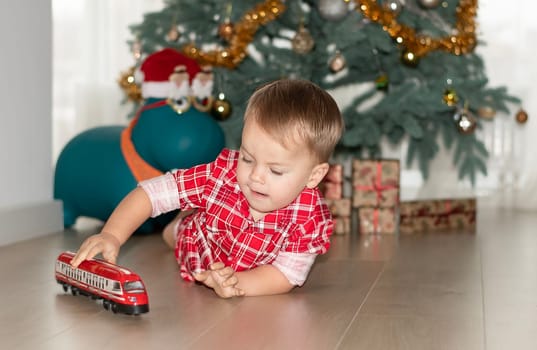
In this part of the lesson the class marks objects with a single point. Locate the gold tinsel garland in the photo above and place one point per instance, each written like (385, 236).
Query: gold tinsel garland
(461, 41)
(244, 33)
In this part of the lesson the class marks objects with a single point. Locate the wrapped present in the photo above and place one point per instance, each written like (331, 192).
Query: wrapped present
(332, 184)
(339, 207)
(341, 214)
(375, 183)
(342, 225)
(374, 220)
(438, 215)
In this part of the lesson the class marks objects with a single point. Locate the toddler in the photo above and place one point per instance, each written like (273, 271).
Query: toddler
(252, 221)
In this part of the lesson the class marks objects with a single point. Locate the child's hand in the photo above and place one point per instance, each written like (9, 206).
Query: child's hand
(104, 243)
(222, 279)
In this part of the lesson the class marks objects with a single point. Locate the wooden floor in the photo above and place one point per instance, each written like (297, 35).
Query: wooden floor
(441, 291)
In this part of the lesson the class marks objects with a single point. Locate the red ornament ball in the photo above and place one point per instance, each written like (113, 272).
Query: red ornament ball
(521, 116)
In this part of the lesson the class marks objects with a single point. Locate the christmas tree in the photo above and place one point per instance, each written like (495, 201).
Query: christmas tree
(407, 67)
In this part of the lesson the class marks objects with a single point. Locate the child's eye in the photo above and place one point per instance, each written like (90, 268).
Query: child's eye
(246, 160)
(276, 172)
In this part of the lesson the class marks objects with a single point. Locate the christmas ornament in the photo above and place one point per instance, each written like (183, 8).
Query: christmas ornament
(221, 109)
(173, 34)
(127, 83)
(465, 121)
(338, 62)
(244, 32)
(486, 112)
(168, 74)
(202, 89)
(226, 30)
(521, 116)
(410, 58)
(450, 97)
(136, 50)
(395, 6)
(302, 42)
(461, 40)
(333, 10)
(382, 82)
(429, 4)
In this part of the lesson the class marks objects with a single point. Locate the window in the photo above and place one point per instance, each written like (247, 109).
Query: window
(134, 287)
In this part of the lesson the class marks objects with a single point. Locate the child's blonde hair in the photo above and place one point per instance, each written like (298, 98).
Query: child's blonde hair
(289, 107)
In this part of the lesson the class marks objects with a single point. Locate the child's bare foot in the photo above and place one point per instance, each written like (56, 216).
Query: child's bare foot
(170, 231)
(168, 235)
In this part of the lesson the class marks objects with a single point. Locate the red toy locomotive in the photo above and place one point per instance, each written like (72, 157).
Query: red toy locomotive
(121, 289)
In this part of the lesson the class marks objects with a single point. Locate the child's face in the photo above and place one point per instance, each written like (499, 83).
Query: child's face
(270, 175)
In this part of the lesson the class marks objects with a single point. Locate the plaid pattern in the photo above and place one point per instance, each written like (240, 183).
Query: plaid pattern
(222, 228)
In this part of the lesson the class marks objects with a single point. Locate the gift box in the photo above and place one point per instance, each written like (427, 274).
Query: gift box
(332, 184)
(435, 215)
(375, 220)
(339, 207)
(341, 214)
(375, 183)
(342, 225)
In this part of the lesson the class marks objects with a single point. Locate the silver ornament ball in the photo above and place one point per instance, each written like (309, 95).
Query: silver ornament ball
(429, 4)
(333, 10)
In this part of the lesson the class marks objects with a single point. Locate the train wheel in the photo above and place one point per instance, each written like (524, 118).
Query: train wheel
(74, 291)
(114, 308)
(106, 304)
(65, 287)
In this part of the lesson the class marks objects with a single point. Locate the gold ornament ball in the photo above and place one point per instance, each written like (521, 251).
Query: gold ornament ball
(302, 42)
(128, 84)
(409, 58)
(450, 97)
(521, 116)
(338, 62)
(486, 112)
(221, 109)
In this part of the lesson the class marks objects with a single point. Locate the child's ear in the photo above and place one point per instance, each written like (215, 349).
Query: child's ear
(317, 175)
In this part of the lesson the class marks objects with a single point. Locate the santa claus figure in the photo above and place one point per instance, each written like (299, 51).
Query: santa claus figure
(202, 89)
(168, 74)
(180, 84)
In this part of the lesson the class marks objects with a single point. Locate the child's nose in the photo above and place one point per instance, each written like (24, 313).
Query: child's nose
(256, 175)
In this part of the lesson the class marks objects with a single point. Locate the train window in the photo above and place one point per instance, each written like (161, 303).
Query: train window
(116, 286)
(134, 287)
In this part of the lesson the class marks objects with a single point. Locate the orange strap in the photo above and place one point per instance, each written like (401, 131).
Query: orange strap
(140, 169)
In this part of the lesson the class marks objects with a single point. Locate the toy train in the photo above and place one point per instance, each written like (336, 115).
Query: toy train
(120, 289)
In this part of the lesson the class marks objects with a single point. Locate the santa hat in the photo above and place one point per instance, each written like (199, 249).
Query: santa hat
(156, 69)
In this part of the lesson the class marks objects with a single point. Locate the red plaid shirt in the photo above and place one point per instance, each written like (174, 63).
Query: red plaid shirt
(222, 228)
